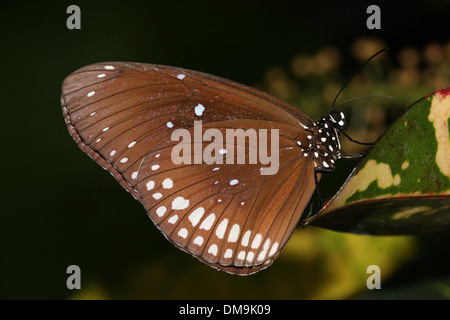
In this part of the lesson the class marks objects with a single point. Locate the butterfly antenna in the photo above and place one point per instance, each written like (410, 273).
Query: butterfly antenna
(354, 74)
(364, 97)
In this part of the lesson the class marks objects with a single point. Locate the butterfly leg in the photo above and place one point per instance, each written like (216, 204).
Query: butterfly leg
(351, 155)
(356, 141)
(312, 214)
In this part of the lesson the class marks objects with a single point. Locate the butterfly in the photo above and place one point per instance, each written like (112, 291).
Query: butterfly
(131, 117)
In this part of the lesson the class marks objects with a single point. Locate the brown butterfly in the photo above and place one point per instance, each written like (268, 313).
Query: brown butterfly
(228, 215)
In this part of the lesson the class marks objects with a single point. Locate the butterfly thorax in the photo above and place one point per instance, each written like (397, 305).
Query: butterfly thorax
(323, 145)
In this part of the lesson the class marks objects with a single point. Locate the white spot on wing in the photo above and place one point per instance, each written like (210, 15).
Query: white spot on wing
(183, 233)
(241, 255)
(181, 76)
(157, 195)
(208, 222)
(305, 127)
(245, 238)
(263, 253)
(274, 249)
(213, 250)
(90, 94)
(150, 185)
(220, 232)
(180, 203)
(228, 254)
(196, 215)
(234, 233)
(173, 219)
(161, 211)
(199, 109)
(198, 240)
(256, 241)
(167, 183)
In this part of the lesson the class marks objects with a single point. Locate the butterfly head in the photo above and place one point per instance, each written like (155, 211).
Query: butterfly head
(337, 119)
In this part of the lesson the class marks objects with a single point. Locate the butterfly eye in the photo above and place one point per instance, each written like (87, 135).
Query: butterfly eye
(338, 119)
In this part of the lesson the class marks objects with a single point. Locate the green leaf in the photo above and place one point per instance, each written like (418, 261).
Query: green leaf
(402, 186)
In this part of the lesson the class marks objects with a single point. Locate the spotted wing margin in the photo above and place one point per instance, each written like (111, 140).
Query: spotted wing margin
(229, 216)
(117, 112)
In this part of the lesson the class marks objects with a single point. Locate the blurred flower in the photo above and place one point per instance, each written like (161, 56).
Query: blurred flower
(405, 77)
(326, 59)
(434, 53)
(329, 92)
(447, 52)
(278, 83)
(364, 48)
(302, 66)
(360, 85)
(376, 116)
(409, 58)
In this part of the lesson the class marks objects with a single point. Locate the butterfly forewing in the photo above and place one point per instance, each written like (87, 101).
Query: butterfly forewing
(228, 215)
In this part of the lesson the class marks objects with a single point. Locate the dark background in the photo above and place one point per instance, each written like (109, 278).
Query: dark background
(59, 208)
